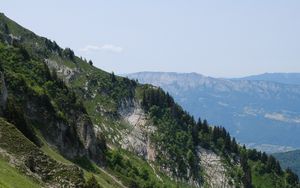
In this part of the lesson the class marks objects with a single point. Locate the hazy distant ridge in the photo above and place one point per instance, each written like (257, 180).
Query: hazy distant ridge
(286, 78)
(257, 109)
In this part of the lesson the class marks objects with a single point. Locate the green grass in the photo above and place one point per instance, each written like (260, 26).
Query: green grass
(48, 150)
(12, 178)
(89, 168)
(103, 179)
(53, 154)
(141, 164)
(17, 145)
(61, 61)
(13, 141)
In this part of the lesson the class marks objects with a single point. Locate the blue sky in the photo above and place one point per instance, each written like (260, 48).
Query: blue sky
(229, 38)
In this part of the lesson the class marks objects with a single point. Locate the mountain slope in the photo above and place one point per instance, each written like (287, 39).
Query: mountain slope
(10, 177)
(290, 160)
(22, 153)
(255, 112)
(95, 127)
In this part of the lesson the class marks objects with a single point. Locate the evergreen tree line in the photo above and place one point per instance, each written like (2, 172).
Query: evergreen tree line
(201, 132)
(215, 138)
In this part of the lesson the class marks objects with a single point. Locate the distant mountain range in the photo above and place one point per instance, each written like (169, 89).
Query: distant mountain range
(285, 78)
(261, 111)
(66, 123)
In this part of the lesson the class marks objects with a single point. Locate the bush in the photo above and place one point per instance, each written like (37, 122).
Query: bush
(92, 183)
(68, 53)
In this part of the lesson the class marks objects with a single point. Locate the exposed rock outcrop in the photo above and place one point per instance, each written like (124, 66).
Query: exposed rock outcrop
(76, 137)
(73, 138)
(215, 173)
(65, 72)
(136, 137)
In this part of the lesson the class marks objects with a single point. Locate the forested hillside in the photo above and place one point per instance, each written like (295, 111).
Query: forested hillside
(66, 123)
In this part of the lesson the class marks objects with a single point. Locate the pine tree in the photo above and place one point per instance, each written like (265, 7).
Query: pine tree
(195, 133)
(113, 77)
(69, 53)
(205, 126)
(246, 179)
(291, 177)
(6, 29)
(264, 157)
(227, 142)
(234, 146)
(271, 163)
(278, 169)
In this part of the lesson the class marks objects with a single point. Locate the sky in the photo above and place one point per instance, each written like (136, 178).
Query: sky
(224, 38)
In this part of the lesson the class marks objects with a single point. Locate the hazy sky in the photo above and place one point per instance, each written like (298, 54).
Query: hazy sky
(225, 38)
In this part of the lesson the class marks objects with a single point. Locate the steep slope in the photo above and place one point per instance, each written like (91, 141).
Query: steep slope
(73, 115)
(33, 91)
(257, 113)
(23, 154)
(290, 160)
(10, 177)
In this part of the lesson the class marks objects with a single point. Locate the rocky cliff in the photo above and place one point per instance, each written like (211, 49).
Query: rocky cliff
(79, 126)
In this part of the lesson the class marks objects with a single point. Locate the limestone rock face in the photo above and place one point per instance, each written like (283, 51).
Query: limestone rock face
(136, 137)
(73, 138)
(65, 72)
(215, 173)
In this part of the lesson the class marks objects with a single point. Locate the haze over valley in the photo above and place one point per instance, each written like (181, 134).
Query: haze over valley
(261, 111)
